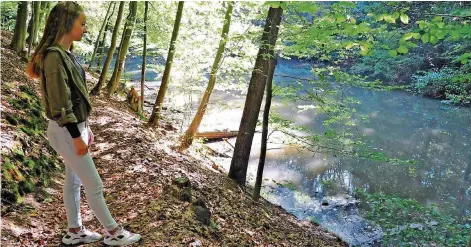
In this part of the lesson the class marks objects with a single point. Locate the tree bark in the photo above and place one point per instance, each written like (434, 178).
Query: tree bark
(239, 162)
(144, 57)
(155, 116)
(266, 115)
(19, 36)
(187, 139)
(103, 40)
(123, 50)
(109, 56)
(33, 26)
(97, 43)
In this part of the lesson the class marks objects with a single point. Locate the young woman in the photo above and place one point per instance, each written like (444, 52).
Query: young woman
(65, 97)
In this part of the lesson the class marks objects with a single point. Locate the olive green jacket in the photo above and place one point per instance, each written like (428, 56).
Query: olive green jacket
(64, 91)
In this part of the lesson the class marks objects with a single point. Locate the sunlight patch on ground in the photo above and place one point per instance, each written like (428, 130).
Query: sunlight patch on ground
(7, 141)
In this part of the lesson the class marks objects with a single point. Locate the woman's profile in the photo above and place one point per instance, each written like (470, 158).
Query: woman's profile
(67, 104)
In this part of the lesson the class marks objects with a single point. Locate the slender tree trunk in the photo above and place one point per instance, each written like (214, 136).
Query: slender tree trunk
(103, 41)
(115, 71)
(193, 128)
(239, 163)
(97, 43)
(469, 243)
(123, 50)
(33, 26)
(45, 5)
(144, 57)
(155, 116)
(266, 115)
(109, 56)
(19, 35)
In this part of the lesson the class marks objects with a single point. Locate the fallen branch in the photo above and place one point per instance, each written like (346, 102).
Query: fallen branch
(230, 144)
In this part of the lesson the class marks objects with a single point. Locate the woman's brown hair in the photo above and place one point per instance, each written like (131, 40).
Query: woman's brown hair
(60, 22)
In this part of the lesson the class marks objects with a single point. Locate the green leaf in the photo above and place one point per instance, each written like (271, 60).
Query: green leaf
(392, 53)
(455, 35)
(395, 15)
(274, 5)
(380, 17)
(408, 36)
(425, 38)
(390, 19)
(350, 45)
(437, 19)
(440, 34)
(364, 50)
(340, 18)
(404, 18)
(330, 133)
(433, 39)
(410, 44)
(402, 49)
(421, 24)
(308, 7)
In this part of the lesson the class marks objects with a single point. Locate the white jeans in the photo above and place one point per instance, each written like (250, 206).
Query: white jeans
(78, 170)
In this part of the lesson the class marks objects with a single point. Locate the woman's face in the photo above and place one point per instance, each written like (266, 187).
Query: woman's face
(79, 27)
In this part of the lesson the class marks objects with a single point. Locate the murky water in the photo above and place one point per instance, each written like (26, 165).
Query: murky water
(401, 125)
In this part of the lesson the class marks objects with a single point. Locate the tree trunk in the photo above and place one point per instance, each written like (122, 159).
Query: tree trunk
(33, 26)
(44, 13)
(193, 128)
(239, 163)
(19, 35)
(103, 41)
(266, 115)
(115, 71)
(144, 57)
(123, 50)
(155, 116)
(97, 43)
(109, 56)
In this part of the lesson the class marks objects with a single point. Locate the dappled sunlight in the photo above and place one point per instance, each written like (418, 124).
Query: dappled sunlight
(316, 166)
(368, 131)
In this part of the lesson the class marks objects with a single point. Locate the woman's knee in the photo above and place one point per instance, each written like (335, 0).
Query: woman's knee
(94, 186)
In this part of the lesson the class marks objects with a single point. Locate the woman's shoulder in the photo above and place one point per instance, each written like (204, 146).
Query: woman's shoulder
(52, 61)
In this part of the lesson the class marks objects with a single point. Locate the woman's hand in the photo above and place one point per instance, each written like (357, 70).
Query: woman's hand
(81, 148)
(91, 137)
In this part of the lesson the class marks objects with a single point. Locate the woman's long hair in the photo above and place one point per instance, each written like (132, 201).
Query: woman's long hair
(60, 22)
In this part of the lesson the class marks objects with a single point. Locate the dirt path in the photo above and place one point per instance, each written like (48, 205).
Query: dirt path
(137, 165)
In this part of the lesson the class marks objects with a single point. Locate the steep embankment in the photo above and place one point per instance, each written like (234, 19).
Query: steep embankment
(138, 166)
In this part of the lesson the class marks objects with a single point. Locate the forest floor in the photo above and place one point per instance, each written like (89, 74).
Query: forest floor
(138, 165)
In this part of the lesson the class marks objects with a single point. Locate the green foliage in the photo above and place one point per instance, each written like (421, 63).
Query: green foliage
(8, 13)
(390, 70)
(406, 222)
(286, 184)
(443, 84)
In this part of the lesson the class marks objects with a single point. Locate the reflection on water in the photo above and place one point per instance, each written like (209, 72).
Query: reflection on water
(402, 125)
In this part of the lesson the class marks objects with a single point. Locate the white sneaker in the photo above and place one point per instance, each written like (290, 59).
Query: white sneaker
(121, 237)
(84, 236)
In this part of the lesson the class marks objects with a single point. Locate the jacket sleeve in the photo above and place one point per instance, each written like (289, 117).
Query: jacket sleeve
(57, 90)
